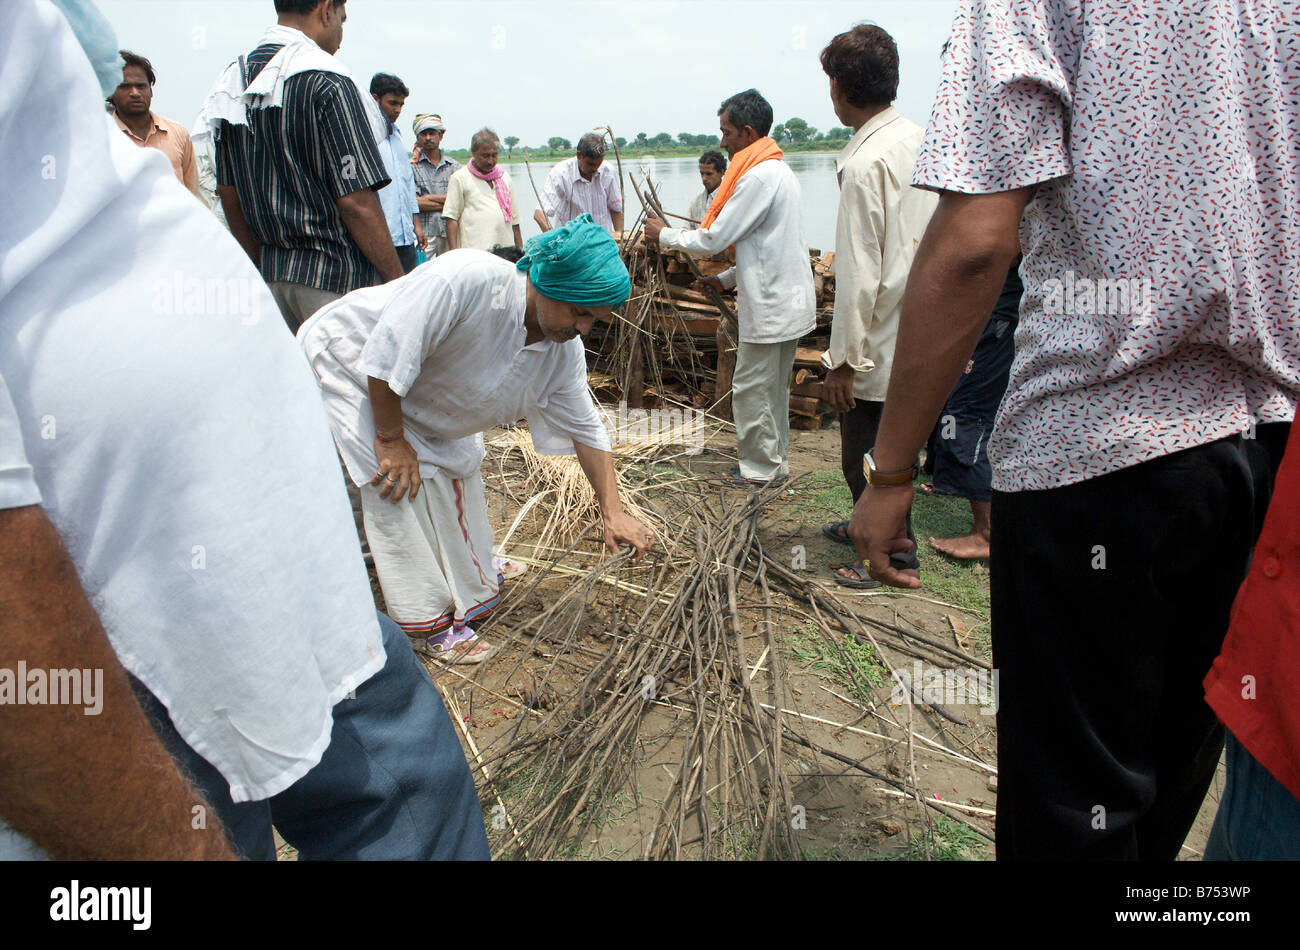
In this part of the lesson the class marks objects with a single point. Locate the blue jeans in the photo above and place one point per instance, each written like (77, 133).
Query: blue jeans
(1258, 819)
(392, 785)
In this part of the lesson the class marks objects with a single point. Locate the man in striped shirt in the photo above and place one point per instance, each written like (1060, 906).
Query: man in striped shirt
(583, 185)
(298, 183)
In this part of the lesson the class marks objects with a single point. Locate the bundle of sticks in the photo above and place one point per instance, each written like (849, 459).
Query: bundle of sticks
(620, 661)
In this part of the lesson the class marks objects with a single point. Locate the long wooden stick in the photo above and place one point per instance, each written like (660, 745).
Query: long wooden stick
(619, 160)
(473, 747)
(529, 166)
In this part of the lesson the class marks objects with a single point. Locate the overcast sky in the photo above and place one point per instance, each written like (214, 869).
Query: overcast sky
(537, 68)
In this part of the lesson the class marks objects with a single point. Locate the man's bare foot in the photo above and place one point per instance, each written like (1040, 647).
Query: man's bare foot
(969, 547)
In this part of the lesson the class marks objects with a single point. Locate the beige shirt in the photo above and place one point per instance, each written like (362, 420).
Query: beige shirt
(472, 204)
(173, 140)
(881, 220)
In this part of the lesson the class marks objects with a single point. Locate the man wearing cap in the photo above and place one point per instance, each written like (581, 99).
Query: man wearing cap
(432, 171)
(412, 373)
(581, 184)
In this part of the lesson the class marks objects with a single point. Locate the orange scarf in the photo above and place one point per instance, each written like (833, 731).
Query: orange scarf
(765, 149)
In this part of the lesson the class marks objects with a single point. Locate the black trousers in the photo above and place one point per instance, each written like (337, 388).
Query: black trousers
(406, 257)
(1110, 600)
(857, 436)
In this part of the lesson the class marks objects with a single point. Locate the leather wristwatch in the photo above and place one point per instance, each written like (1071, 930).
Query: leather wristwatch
(902, 476)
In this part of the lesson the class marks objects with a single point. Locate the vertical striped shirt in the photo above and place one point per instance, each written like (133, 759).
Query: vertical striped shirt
(291, 164)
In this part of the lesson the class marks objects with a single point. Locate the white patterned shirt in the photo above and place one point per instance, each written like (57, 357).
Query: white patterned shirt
(1161, 252)
(567, 194)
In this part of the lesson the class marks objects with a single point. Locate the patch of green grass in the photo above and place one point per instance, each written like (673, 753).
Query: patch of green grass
(964, 583)
(858, 662)
(949, 841)
(824, 493)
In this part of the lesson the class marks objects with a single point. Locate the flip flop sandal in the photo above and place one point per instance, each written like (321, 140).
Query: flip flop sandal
(445, 646)
(861, 581)
(837, 531)
(507, 568)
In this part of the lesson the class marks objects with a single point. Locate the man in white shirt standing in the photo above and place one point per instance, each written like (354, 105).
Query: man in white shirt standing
(881, 221)
(582, 184)
(713, 165)
(759, 209)
(398, 198)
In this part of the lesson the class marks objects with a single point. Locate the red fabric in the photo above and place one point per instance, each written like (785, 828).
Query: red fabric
(1263, 638)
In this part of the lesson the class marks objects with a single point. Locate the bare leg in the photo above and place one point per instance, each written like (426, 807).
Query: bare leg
(971, 546)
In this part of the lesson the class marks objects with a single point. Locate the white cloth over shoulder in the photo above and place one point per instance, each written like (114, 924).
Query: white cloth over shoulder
(173, 431)
(229, 99)
(449, 339)
(763, 218)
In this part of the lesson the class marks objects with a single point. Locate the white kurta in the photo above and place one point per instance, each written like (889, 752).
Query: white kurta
(167, 425)
(449, 339)
(764, 219)
(881, 221)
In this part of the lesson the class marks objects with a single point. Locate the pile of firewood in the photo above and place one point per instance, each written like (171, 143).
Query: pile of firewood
(675, 341)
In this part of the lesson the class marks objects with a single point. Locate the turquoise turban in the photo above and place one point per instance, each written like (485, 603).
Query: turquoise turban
(577, 263)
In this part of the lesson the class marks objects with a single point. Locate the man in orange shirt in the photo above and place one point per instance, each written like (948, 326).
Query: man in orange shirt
(131, 101)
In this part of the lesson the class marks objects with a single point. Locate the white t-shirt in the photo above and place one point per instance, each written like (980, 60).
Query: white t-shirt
(449, 339)
(163, 417)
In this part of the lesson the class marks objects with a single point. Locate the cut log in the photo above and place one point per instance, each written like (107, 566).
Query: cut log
(686, 293)
(806, 423)
(705, 326)
(692, 305)
(726, 367)
(802, 376)
(804, 405)
(809, 358)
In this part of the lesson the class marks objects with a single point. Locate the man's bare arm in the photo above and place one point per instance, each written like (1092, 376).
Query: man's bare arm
(453, 233)
(83, 787)
(617, 218)
(363, 216)
(431, 202)
(238, 224)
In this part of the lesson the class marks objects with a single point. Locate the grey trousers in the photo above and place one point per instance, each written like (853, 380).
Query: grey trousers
(760, 406)
(297, 302)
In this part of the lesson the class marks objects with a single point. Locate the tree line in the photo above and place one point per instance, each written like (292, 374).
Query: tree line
(794, 133)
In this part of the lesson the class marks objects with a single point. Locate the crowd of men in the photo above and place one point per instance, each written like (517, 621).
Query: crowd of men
(1119, 493)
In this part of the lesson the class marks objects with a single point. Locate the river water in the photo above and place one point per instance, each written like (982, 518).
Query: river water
(677, 180)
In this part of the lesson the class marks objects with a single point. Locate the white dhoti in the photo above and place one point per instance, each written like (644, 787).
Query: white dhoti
(434, 555)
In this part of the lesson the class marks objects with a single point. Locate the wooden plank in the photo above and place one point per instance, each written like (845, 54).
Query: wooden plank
(804, 405)
(692, 305)
(806, 423)
(811, 388)
(803, 356)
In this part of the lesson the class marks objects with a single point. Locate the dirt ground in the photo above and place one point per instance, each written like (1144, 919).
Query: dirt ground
(841, 814)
